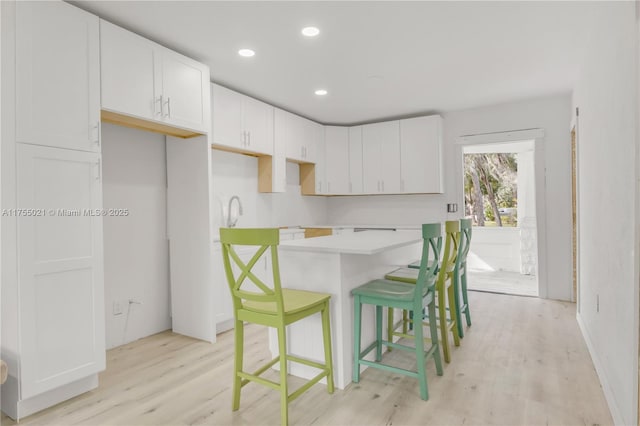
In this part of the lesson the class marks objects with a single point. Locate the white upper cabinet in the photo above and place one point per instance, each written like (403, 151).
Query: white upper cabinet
(127, 73)
(57, 76)
(144, 80)
(313, 136)
(322, 186)
(336, 152)
(300, 136)
(381, 157)
(421, 155)
(241, 122)
(182, 84)
(257, 119)
(355, 160)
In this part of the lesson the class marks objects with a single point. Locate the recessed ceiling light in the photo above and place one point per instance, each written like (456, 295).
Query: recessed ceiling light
(247, 53)
(310, 31)
(321, 92)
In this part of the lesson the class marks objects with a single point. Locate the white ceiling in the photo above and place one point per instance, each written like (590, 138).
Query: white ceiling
(376, 59)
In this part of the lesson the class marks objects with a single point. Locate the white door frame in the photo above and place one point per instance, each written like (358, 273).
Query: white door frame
(537, 135)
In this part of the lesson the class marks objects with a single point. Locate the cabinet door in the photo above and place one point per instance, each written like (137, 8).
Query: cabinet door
(258, 123)
(227, 117)
(223, 304)
(183, 83)
(61, 267)
(289, 130)
(355, 160)
(320, 167)
(127, 73)
(313, 135)
(371, 161)
(389, 134)
(57, 76)
(337, 159)
(421, 146)
(381, 157)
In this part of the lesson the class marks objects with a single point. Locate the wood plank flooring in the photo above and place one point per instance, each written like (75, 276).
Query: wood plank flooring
(523, 362)
(506, 282)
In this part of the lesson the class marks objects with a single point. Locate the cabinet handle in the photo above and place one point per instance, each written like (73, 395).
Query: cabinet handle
(161, 111)
(168, 107)
(96, 129)
(249, 137)
(99, 165)
(402, 185)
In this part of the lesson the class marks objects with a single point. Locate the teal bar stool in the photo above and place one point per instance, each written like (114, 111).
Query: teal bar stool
(410, 297)
(460, 273)
(445, 291)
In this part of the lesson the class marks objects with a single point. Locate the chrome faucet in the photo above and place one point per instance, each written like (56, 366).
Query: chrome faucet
(231, 222)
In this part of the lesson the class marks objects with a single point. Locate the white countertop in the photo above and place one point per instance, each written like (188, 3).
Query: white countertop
(368, 242)
(350, 226)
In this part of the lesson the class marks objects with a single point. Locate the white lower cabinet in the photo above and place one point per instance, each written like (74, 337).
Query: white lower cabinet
(61, 290)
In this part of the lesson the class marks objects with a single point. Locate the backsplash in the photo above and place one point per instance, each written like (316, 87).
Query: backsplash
(236, 174)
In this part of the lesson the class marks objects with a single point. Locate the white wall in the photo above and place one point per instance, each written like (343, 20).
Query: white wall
(551, 114)
(606, 94)
(136, 251)
(236, 174)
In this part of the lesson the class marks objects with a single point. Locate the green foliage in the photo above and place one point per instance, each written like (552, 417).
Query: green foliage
(496, 175)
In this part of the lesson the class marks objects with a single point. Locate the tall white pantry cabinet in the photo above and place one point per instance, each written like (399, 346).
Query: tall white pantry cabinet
(52, 244)
(52, 265)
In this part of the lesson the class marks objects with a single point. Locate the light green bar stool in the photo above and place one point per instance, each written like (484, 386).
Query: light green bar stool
(445, 291)
(411, 297)
(258, 303)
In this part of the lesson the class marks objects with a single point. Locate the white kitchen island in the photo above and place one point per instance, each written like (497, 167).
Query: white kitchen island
(337, 264)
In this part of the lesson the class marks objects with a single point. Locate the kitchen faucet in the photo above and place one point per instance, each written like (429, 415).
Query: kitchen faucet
(231, 223)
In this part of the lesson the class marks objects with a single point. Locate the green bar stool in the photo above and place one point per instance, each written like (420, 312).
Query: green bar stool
(258, 303)
(460, 274)
(410, 297)
(445, 290)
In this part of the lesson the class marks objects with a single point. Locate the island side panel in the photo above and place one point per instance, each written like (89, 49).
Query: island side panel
(312, 271)
(336, 274)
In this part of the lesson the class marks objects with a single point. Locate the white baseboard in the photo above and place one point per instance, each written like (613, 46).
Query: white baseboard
(18, 409)
(616, 414)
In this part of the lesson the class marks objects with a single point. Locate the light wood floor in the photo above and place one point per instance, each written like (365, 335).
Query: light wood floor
(523, 362)
(503, 282)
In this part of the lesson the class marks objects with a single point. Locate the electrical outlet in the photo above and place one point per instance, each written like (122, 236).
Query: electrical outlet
(117, 308)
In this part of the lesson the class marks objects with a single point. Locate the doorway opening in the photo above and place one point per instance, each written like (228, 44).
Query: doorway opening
(499, 193)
